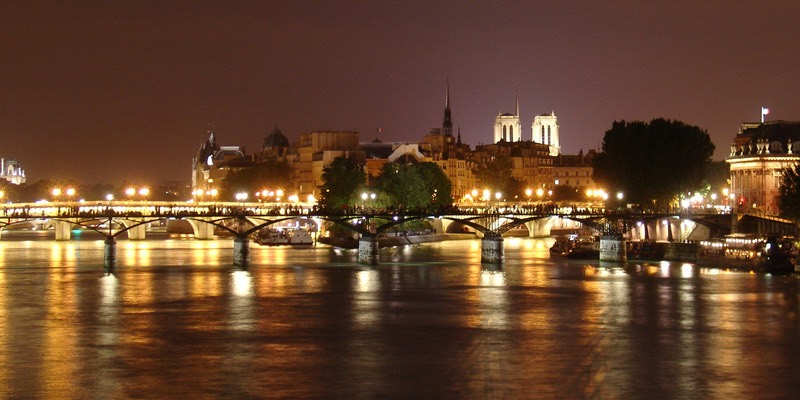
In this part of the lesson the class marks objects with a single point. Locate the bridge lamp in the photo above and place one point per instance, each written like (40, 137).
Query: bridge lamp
(498, 195)
(144, 192)
(56, 192)
(279, 193)
(620, 195)
(713, 196)
(364, 196)
(241, 196)
(294, 198)
(528, 192)
(685, 203)
(130, 192)
(109, 197)
(372, 196)
(486, 194)
(540, 192)
(70, 192)
(474, 193)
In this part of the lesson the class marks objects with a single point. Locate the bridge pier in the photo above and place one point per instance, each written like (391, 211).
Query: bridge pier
(63, 230)
(241, 251)
(492, 250)
(137, 233)
(110, 255)
(612, 248)
(202, 230)
(368, 250)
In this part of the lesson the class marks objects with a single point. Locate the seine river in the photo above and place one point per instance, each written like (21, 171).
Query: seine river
(177, 321)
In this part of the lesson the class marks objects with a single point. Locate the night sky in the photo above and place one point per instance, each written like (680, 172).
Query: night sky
(111, 90)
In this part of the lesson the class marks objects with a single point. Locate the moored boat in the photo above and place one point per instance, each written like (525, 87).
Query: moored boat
(278, 237)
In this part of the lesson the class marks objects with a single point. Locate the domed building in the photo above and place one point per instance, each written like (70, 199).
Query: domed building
(276, 147)
(759, 154)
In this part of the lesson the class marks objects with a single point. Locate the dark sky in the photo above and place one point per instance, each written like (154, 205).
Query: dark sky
(111, 90)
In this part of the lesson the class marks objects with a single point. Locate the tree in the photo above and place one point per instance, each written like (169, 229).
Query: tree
(340, 181)
(496, 176)
(270, 174)
(419, 186)
(653, 163)
(789, 193)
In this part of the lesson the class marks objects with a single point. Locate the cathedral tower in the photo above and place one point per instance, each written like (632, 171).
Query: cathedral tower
(507, 126)
(545, 131)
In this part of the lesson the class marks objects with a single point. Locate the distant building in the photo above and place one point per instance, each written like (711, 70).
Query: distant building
(315, 150)
(532, 162)
(212, 164)
(11, 171)
(574, 170)
(450, 154)
(759, 154)
(544, 129)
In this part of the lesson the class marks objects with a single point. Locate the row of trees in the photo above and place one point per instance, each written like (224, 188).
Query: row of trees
(399, 186)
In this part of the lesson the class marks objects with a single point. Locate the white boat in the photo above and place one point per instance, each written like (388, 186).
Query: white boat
(278, 237)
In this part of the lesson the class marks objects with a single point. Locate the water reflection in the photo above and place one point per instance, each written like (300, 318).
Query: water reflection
(430, 321)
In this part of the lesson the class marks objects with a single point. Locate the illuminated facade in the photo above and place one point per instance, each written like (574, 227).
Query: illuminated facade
(545, 131)
(574, 170)
(507, 127)
(11, 171)
(759, 154)
(450, 154)
(531, 162)
(315, 151)
(212, 164)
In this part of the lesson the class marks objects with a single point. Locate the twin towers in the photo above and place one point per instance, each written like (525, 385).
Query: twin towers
(544, 129)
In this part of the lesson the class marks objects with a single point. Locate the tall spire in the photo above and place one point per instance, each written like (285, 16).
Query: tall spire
(447, 121)
(517, 100)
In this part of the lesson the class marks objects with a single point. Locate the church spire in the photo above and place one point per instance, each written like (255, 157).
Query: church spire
(447, 122)
(517, 101)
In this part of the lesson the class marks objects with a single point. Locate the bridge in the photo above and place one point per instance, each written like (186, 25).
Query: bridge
(113, 219)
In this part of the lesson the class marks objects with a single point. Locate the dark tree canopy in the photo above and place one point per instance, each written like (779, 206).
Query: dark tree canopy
(421, 185)
(653, 163)
(340, 181)
(789, 193)
(271, 174)
(496, 176)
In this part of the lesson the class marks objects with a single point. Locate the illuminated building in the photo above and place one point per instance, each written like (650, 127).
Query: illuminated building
(759, 154)
(316, 150)
(11, 171)
(532, 163)
(213, 163)
(449, 153)
(574, 170)
(545, 131)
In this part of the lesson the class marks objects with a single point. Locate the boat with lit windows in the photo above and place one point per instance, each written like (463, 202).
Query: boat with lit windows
(576, 247)
(280, 236)
(770, 254)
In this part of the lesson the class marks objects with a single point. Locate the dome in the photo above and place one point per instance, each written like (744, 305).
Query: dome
(276, 139)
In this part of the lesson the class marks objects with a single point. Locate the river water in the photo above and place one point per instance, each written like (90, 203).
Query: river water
(177, 321)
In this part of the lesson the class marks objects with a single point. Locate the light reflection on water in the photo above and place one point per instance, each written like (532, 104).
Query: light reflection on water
(176, 320)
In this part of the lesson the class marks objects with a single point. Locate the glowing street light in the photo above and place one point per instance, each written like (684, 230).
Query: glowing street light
(130, 192)
(764, 112)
